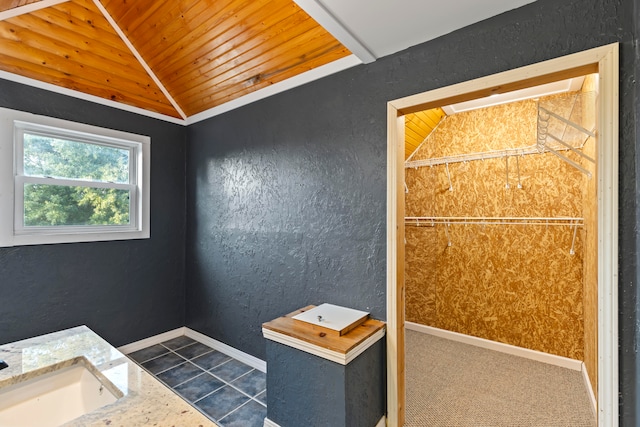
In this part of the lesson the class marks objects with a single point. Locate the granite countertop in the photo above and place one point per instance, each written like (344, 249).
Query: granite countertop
(144, 401)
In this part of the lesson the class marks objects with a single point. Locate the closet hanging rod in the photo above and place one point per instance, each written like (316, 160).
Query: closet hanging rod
(554, 221)
(495, 154)
(472, 156)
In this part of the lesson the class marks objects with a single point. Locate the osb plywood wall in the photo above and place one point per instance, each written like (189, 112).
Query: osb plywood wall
(516, 284)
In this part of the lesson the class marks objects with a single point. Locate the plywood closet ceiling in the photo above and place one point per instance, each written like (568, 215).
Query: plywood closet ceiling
(176, 58)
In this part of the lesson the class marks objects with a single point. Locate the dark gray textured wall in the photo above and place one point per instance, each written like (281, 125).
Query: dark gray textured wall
(126, 290)
(307, 390)
(286, 201)
(629, 303)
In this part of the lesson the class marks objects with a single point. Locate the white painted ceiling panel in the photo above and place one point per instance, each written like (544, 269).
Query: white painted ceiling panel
(384, 27)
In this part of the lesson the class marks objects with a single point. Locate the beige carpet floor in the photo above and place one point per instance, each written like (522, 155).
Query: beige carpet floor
(453, 384)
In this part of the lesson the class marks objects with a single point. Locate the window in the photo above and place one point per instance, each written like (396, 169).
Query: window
(67, 182)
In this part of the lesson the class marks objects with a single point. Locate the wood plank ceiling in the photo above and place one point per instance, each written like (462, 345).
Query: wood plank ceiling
(418, 126)
(177, 58)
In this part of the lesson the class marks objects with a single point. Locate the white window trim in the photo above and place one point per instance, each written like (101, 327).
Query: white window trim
(12, 233)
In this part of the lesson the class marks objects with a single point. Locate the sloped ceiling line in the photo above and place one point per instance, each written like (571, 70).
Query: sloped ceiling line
(135, 53)
(426, 138)
(27, 8)
(118, 52)
(329, 22)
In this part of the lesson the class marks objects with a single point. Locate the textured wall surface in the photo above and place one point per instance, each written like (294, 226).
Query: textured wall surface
(516, 284)
(287, 196)
(285, 212)
(312, 391)
(123, 290)
(629, 217)
(286, 202)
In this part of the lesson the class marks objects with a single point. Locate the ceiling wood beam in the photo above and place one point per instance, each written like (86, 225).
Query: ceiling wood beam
(28, 8)
(139, 57)
(322, 16)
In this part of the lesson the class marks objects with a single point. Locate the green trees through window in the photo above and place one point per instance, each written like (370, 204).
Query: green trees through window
(74, 182)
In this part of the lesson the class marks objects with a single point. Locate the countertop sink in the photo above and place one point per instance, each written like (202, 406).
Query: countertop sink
(75, 378)
(57, 396)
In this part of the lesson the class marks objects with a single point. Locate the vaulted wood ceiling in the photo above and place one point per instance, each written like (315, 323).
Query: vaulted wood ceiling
(176, 58)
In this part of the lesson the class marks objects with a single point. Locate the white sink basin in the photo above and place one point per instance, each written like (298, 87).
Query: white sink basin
(55, 398)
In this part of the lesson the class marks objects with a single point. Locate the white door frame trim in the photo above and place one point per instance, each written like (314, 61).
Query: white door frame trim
(604, 61)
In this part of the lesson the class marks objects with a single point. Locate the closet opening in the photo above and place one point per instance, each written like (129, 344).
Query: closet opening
(502, 221)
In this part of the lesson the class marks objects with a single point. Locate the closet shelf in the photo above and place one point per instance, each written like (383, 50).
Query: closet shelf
(494, 154)
(463, 158)
(555, 134)
(427, 221)
(431, 221)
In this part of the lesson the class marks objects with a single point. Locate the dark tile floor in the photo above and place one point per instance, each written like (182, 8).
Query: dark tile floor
(224, 389)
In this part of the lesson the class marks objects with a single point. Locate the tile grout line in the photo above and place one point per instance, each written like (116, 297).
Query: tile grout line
(245, 393)
(204, 371)
(169, 350)
(234, 410)
(177, 354)
(225, 383)
(192, 378)
(208, 394)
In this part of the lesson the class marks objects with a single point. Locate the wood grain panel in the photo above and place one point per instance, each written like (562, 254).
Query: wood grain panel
(589, 90)
(301, 50)
(12, 4)
(34, 71)
(419, 126)
(67, 64)
(307, 52)
(202, 53)
(207, 54)
(303, 331)
(220, 59)
(94, 32)
(72, 45)
(260, 81)
(230, 25)
(291, 68)
(295, 46)
(132, 14)
(171, 22)
(216, 53)
(28, 33)
(516, 284)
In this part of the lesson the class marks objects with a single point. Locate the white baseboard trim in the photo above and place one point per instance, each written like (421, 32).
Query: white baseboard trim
(539, 356)
(269, 423)
(592, 396)
(243, 357)
(148, 342)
